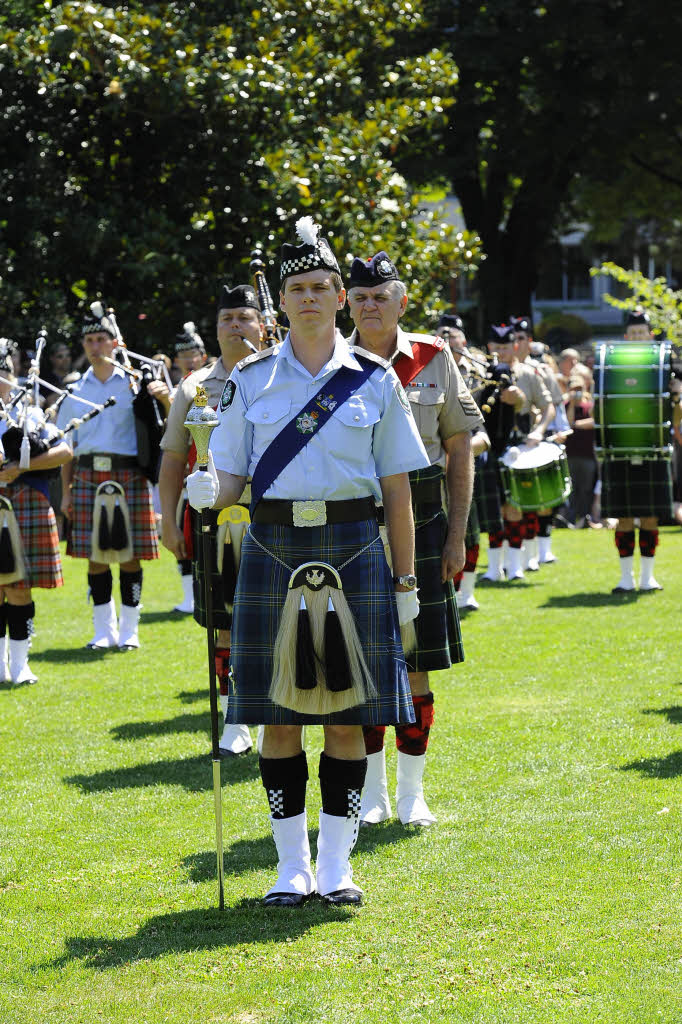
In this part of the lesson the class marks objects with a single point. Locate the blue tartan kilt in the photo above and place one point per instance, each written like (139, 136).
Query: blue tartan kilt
(439, 638)
(644, 489)
(259, 599)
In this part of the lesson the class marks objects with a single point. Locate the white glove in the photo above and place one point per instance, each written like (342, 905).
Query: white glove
(202, 486)
(408, 605)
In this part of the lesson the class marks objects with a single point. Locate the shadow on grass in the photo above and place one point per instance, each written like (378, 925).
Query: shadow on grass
(259, 854)
(80, 654)
(191, 930)
(200, 722)
(167, 616)
(191, 696)
(192, 773)
(591, 600)
(657, 767)
(673, 713)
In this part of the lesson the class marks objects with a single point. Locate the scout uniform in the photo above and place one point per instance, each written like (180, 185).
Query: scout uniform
(442, 406)
(109, 489)
(315, 448)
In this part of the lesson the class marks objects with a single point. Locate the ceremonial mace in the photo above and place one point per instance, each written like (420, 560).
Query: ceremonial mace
(201, 422)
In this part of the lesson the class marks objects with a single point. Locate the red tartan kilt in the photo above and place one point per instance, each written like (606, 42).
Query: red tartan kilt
(140, 507)
(38, 528)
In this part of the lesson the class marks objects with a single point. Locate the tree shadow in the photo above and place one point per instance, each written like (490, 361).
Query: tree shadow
(591, 600)
(247, 921)
(192, 773)
(657, 767)
(200, 722)
(673, 713)
(192, 696)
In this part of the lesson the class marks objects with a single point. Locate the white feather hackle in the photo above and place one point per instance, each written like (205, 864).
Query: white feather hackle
(307, 230)
(97, 309)
(189, 328)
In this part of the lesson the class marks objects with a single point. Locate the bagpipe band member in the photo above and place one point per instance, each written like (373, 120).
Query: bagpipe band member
(445, 414)
(189, 355)
(323, 431)
(29, 540)
(106, 498)
(637, 490)
(537, 526)
(534, 411)
(239, 330)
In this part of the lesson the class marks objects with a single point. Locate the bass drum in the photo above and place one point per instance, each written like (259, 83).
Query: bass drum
(632, 407)
(535, 476)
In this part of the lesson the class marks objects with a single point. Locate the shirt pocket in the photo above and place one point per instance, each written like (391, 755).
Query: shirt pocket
(268, 417)
(426, 405)
(358, 412)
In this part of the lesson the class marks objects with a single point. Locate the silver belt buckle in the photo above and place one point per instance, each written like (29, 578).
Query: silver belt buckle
(309, 513)
(101, 463)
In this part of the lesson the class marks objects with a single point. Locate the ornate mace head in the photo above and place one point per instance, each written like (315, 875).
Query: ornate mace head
(201, 422)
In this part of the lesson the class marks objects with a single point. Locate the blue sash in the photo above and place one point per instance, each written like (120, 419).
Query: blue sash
(305, 424)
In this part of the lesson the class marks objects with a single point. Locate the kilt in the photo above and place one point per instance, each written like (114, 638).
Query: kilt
(488, 495)
(38, 528)
(629, 490)
(222, 601)
(138, 494)
(472, 538)
(259, 599)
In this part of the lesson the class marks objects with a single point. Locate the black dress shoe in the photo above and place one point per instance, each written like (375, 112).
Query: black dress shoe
(623, 590)
(226, 754)
(285, 899)
(343, 898)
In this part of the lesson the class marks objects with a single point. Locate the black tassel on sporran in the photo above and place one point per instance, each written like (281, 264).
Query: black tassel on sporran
(119, 534)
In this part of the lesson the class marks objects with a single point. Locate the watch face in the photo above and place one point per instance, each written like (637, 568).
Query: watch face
(407, 581)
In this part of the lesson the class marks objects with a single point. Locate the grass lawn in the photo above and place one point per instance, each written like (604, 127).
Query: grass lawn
(549, 891)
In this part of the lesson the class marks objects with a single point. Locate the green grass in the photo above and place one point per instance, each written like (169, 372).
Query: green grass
(548, 892)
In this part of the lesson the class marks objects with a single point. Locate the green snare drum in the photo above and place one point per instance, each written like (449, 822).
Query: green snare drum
(535, 476)
(632, 400)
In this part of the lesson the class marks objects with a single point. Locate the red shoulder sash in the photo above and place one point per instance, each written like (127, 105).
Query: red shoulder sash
(422, 354)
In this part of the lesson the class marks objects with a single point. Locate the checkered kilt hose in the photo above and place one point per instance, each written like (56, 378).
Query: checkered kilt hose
(38, 528)
(488, 494)
(629, 490)
(140, 507)
(259, 599)
(222, 614)
(439, 638)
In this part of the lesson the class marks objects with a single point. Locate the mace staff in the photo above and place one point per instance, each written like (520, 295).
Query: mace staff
(201, 422)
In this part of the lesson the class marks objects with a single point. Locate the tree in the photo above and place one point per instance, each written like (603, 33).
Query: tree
(662, 303)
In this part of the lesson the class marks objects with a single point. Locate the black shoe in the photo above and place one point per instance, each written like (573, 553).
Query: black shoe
(226, 754)
(624, 590)
(343, 898)
(285, 899)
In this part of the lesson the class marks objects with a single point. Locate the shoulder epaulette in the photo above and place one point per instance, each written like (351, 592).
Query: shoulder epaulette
(427, 339)
(248, 360)
(362, 353)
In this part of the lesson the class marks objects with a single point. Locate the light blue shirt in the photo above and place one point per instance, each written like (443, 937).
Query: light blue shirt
(111, 431)
(372, 435)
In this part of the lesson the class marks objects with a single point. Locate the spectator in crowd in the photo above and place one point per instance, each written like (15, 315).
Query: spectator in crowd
(580, 451)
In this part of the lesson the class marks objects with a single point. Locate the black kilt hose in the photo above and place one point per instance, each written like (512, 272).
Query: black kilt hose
(629, 489)
(439, 638)
(259, 599)
(488, 494)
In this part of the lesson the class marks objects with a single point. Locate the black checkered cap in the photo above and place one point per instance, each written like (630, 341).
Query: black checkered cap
(299, 259)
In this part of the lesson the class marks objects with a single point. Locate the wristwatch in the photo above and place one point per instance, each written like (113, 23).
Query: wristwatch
(409, 581)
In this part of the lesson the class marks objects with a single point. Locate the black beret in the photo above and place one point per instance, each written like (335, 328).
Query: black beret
(521, 323)
(451, 320)
(638, 316)
(313, 254)
(501, 333)
(242, 295)
(371, 272)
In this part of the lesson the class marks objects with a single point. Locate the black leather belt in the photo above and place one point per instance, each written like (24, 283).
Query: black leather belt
(96, 459)
(314, 513)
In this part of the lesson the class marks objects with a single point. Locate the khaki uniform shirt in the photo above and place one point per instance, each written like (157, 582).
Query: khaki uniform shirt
(549, 380)
(176, 436)
(440, 401)
(536, 396)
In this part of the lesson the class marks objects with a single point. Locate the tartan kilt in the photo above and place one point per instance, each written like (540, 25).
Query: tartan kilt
(439, 638)
(488, 494)
(222, 600)
(629, 490)
(38, 528)
(259, 599)
(138, 494)
(472, 537)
